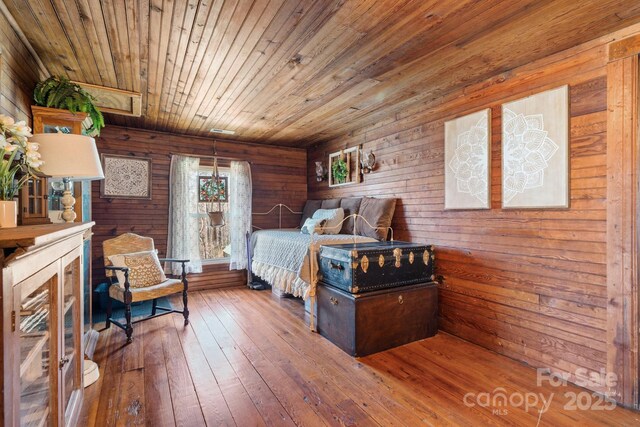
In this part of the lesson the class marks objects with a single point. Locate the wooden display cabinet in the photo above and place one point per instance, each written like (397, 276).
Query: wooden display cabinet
(33, 201)
(42, 346)
(52, 120)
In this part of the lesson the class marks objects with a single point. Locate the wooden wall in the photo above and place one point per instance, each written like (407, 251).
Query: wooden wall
(278, 175)
(530, 284)
(18, 74)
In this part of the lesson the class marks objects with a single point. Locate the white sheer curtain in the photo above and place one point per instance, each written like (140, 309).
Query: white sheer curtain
(239, 213)
(183, 236)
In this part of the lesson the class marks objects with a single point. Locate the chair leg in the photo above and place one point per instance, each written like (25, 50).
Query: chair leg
(185, 311)
(154, 306)
(127, 315)
(109, 311)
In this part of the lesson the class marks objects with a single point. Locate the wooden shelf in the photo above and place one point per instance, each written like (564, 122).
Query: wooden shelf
(34, 404)
(68, 304)
(36, 341)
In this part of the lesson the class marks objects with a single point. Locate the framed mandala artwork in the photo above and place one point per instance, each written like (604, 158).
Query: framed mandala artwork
(125, 177)
(467, 157)
(535, 151)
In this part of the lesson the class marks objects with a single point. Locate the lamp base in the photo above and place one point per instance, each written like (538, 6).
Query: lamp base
(68, 201)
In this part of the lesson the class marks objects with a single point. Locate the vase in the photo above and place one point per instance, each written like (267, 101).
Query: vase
(8, 213)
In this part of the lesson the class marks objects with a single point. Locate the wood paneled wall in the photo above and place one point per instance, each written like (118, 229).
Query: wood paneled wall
(18, 74)
(530, 284)
(278, 175)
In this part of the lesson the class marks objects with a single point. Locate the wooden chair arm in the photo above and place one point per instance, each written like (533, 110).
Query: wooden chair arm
(113, 267)
(173, 260)
(126, 279)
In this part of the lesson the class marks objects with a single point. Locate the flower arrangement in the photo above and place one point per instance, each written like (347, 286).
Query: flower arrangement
(19, 159)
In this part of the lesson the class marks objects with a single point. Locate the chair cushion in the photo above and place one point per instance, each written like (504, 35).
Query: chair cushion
(330, 204)
(333, 218)
(350, 206)
(378, 213)
(144, 269)
(309, 208)
(168, 287)
(313, 226)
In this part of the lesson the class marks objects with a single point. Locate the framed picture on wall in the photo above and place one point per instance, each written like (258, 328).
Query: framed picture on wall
(467, 155)
(535, 151)
(125, 177)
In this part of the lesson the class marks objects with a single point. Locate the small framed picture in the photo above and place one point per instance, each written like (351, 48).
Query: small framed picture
(211, 191)
(125, 177)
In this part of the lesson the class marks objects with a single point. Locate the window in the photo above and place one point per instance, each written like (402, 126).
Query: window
(214, 241)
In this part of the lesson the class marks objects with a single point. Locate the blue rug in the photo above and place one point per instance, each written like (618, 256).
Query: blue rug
(142, 309)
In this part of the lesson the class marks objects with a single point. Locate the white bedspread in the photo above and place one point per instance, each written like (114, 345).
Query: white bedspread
(281, 257)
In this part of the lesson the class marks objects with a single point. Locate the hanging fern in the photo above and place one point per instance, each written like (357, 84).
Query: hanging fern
(60, 92)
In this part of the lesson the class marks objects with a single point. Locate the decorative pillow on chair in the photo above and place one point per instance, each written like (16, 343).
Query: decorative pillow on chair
(144, 269)
(378, 213)
(333, 218)
(312, 226)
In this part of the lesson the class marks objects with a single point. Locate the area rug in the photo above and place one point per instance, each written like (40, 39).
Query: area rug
(142, 309)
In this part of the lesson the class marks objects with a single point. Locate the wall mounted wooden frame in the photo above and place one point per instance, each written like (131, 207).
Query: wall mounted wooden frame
(115, 101)
(352, 158)
(125, 177)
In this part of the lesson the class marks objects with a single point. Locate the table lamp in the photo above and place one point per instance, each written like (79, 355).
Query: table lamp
(72, 158)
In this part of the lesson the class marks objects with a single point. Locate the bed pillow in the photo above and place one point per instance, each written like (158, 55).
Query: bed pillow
(330, 204)
(378, 212)
(144, 269)
(333, 218)
(313, 226)
(350, 207)
(309, 208)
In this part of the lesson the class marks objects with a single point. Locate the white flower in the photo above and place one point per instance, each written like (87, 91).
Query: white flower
(34, 163)
(21, 129)
(33, 146)
(10, 148)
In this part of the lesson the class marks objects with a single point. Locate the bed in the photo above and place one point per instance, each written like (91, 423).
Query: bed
(286, 258)
(282, 257)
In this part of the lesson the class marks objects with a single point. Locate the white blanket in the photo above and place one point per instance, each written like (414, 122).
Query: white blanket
(281, 257)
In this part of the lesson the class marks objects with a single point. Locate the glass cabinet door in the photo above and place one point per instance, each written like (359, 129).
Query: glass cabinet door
(71, 360)
(35, 334)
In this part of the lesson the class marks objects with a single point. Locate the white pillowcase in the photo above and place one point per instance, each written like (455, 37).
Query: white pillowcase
(333, 218)
(312, 226)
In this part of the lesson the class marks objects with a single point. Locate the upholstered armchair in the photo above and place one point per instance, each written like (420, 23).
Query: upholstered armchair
(134, 270)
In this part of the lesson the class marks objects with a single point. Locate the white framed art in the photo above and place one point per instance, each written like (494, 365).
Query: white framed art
(467, 161)
(535, 151)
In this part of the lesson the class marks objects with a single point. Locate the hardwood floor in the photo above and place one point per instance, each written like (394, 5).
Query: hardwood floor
(248, 359)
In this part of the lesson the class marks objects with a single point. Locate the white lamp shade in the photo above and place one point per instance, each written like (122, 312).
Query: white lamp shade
(69, 156)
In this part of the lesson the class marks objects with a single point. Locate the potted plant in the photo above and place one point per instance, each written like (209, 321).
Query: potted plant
(19, 160)
(60, 92)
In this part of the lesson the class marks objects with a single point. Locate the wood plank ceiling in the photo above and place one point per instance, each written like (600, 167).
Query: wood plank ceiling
(294, 72)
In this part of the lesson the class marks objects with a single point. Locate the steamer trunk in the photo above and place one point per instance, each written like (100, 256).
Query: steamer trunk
(365, 267)
(362, 324)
